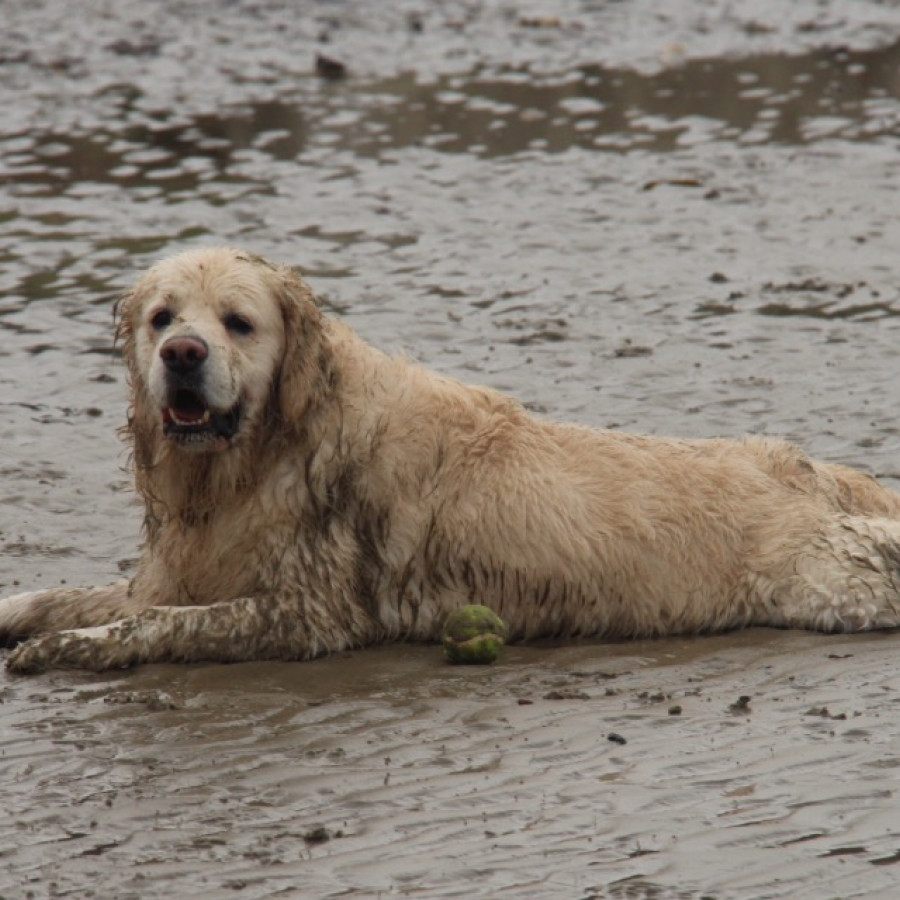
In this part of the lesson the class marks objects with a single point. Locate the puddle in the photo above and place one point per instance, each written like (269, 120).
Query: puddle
(767, 99)
(831, 93)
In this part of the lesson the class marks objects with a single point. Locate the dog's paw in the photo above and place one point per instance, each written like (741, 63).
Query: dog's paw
(36, 655)
(95, 649)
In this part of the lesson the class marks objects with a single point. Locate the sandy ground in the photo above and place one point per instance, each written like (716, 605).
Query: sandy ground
(761, 764)
(676, 220)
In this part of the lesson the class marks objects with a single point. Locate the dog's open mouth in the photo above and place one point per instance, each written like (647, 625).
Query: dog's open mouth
(188, 419)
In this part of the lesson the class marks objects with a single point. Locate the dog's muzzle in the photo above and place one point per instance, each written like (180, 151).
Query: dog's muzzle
(188, 418)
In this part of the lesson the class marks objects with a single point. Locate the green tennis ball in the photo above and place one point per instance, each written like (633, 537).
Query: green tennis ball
(473, 635)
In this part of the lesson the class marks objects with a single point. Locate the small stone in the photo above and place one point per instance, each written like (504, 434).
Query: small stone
(318, 834)
(330, 68)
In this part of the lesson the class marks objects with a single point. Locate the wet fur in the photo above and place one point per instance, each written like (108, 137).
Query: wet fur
(365, 497)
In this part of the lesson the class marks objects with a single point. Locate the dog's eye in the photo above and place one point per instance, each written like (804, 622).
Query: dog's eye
(237, 323)
(161, 319)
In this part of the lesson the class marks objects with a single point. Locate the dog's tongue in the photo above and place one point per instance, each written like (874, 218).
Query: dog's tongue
(187, 409)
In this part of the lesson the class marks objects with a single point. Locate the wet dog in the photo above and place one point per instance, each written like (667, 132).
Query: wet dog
(304, 493)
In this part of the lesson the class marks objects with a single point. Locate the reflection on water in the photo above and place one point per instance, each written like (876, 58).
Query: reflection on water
(758, 99)
(175, 157)
(776, 99)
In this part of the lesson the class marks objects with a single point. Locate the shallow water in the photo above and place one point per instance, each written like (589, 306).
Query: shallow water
(678, 222)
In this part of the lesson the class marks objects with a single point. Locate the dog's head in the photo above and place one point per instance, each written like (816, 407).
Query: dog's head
(218, 344)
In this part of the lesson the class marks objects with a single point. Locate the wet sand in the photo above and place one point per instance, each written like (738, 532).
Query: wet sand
(760, 764)
(678, 221)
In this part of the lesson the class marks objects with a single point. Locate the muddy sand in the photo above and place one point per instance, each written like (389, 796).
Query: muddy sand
(638, 770)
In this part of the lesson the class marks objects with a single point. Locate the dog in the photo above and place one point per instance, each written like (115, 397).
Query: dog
(305, 493)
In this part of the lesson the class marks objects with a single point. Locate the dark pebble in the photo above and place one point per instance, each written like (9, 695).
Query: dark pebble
(567, 694)
(317, 835)
(328, 67)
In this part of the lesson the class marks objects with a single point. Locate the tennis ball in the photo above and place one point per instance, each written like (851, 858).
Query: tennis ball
(473, 635)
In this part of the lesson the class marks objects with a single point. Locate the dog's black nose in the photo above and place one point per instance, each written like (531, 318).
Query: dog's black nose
(184, 354)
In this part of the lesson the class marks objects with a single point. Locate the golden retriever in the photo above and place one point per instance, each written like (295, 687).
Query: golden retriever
(305, 493)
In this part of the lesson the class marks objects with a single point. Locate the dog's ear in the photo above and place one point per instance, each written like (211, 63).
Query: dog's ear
(138, 431)
(306, 363)
(126, 313)
(123, 317)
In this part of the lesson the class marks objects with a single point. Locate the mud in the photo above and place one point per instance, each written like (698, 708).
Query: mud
(677, 220)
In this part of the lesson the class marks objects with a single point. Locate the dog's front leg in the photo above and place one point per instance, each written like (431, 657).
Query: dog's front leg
(248, 628)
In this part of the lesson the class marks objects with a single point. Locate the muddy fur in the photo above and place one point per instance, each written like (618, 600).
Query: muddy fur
(363, 497)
